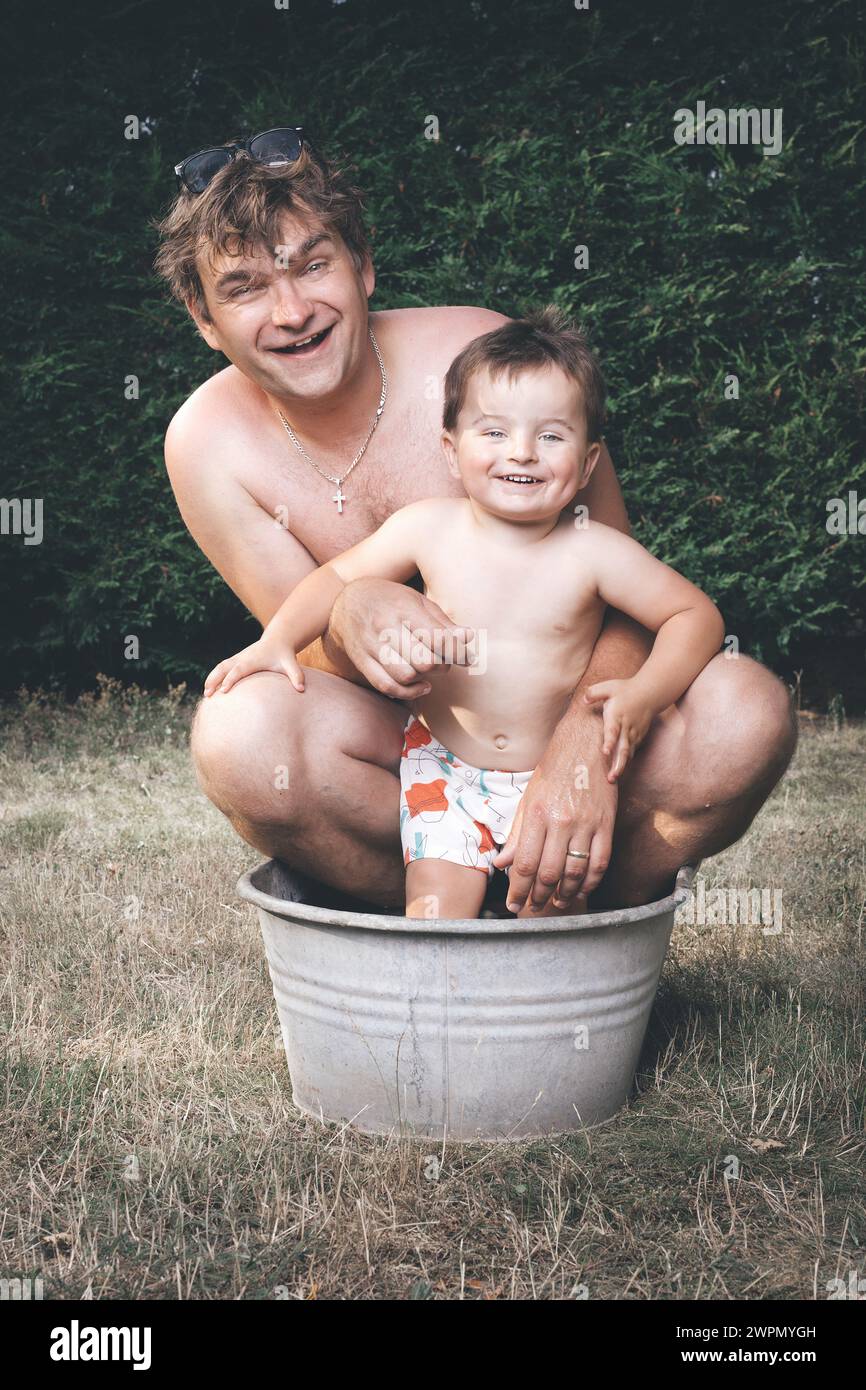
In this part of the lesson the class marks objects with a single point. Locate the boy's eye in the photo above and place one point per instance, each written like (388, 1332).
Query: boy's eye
(555, 437)
(493, 432)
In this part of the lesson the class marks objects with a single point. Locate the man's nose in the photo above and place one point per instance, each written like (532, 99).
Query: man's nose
(290, 308)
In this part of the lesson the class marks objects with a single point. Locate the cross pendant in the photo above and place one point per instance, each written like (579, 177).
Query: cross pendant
(338, 498)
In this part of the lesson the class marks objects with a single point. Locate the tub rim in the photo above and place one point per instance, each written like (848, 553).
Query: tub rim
(459, 926)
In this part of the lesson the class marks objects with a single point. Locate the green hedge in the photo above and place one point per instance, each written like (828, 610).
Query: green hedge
(556, 129)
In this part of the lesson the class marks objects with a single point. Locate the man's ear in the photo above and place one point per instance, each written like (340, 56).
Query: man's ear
(368, 275)
(593, 454)
(204, 326)
(450, 451)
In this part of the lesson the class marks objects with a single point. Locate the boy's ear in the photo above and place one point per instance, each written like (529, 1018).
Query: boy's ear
(593, 454)
(450, 452)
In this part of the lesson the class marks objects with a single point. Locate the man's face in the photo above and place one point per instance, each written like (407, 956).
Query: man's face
(263, 308)
(531, 429)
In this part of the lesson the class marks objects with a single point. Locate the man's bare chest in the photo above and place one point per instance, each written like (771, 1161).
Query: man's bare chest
(326, 517)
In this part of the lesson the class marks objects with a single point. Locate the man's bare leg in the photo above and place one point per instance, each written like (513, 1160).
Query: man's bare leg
(705, 769)
(310, 778)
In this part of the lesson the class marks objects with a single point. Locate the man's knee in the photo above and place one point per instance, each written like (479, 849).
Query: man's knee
(749, 711)
(245, 748)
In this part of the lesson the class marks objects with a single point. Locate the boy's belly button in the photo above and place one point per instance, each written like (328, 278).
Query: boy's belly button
(500, 740)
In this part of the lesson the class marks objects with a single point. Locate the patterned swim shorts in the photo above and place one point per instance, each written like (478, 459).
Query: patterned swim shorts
(449, 809)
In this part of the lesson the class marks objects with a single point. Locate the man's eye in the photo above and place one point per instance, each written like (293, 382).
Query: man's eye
(316, 265)
(243, 289)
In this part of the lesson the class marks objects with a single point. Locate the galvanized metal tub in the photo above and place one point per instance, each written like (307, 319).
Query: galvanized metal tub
(482, 1029)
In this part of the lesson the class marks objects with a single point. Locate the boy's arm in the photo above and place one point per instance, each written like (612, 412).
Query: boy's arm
(389, 553)
(688, 627)
(688, 624)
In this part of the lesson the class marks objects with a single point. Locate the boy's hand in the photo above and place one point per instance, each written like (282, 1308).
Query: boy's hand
(260, 656)
(626, 717)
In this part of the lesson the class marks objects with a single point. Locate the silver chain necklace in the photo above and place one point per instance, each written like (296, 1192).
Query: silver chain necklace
(339, 496)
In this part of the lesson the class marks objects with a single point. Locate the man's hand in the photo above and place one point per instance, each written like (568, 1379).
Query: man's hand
(626, 716)
(568, 804)
(263, 655)
(394, 636)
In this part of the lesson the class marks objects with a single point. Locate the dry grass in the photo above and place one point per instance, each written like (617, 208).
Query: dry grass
(150, 1149)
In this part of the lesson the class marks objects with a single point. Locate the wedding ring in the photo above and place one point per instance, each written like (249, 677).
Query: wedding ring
(577, 853)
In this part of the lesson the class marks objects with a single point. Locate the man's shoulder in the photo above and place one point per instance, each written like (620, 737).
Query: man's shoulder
(206, 417)
(446, 327)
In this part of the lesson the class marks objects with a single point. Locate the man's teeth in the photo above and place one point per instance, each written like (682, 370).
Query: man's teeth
(313, 338)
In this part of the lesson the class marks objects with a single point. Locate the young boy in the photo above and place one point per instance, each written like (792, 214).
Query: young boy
(525, 579)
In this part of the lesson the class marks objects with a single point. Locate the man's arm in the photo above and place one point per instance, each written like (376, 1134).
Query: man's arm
(616, 652)
(260, 560)
(258, 557)
(602, 495)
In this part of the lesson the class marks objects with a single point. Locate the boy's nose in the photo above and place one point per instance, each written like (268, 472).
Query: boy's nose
(522, 451)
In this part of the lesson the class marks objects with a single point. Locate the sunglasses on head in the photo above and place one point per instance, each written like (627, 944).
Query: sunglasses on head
(279, 146)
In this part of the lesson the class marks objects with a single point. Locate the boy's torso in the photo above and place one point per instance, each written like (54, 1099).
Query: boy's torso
(536, 614)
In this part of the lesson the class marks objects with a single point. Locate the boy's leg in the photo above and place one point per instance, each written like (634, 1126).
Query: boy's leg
(440, 888)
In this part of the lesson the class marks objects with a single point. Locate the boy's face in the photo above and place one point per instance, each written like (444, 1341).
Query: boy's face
(531, 429)
(259, 308)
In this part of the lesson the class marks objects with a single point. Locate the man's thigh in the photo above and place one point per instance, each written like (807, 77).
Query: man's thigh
(726, 741)
(361, 723)
(264, 721)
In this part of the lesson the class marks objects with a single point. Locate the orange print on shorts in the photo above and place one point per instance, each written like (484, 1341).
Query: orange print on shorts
(417, 736)
(487, 840)
(423, 797)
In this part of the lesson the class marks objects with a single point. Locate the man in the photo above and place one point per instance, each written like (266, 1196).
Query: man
(265, 246)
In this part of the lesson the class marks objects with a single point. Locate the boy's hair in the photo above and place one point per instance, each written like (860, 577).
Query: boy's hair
(544, 337)
(240, 212)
